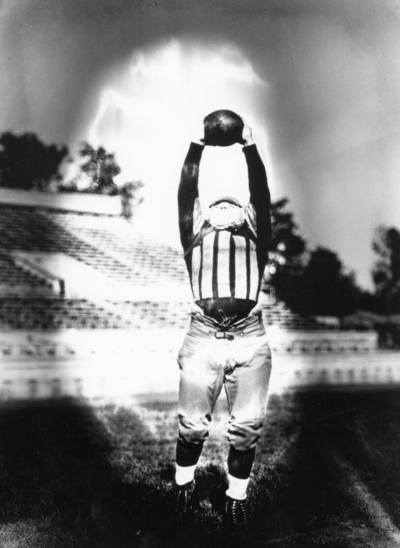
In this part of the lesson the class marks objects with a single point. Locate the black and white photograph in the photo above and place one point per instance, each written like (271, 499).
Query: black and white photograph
(199, 273)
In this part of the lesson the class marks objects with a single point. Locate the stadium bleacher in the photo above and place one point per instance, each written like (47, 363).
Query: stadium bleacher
(147, 259)
(14, 276)
(107, 244)
(52, 314)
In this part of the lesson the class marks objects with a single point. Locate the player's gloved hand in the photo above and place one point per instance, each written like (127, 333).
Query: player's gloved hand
(247, 136)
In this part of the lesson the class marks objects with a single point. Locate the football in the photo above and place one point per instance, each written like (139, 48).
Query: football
(223, 128)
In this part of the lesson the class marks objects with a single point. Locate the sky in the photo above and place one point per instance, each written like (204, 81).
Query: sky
(317, 80)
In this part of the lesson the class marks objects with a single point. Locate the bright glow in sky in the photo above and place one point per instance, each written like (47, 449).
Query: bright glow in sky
(149, 114)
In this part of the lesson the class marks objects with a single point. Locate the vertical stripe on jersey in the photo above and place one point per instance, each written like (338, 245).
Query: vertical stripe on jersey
(240, 268)
(206, 287)
(215, 267)
(247, 268)
(254, 278)
(223, 278)
(196, 269)
(232, 272)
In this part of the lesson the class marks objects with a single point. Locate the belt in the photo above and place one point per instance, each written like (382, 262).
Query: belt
(245, 327)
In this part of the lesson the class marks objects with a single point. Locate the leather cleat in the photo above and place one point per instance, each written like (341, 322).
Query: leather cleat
(236, 514)
(183, 498)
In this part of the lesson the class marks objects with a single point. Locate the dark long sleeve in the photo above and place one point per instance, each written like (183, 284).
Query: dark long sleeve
(188, 192)
(260, 197)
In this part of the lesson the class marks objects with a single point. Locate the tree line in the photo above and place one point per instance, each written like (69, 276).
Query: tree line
(27, 163)
(315, 282)
(311, 281)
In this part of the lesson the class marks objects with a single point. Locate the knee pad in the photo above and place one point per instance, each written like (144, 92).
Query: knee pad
(194, 429)
(244, 435)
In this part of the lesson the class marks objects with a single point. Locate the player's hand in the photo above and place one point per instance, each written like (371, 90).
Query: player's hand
(247, 136)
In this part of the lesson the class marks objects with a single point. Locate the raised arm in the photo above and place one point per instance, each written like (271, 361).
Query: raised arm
(260, 197)
(188, 195)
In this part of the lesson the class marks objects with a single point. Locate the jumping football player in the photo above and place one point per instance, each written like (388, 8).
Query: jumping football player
(226, 251)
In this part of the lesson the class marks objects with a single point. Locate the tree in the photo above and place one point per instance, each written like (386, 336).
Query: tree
(130, 199)
(310, 283)
(324, 288)
(27, 163)
(386, 271)
(287, 251)
(100, 167)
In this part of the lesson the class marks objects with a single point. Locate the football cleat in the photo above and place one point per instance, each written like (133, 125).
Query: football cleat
(236, 514)
(183, 497)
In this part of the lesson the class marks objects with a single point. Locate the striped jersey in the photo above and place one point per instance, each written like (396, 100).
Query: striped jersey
(225, 266)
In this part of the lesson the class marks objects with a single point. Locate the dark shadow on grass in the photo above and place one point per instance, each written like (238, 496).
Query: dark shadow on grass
(363, 427)
(296, 493)
(305, 491)
(55, 465)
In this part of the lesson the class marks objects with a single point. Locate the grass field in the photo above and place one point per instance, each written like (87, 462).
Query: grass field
(76, 476)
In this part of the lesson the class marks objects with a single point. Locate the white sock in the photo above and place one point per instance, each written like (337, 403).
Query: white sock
(237, 488)
(184, 474)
